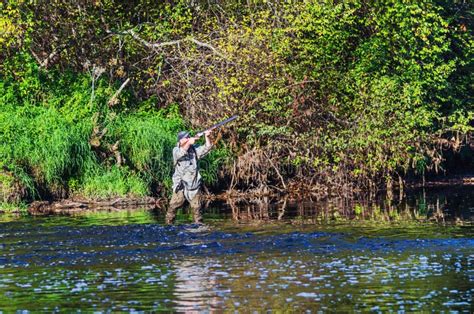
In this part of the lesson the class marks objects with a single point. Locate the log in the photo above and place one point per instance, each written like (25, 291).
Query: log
(77, 205)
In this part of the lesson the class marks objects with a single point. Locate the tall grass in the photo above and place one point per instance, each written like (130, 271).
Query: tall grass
(41, 143)
(46, 124)
(147, 141)
(114, 181)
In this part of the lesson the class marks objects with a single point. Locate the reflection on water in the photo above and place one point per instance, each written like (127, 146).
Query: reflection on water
(194, 282)
(286, 261)
(441, 205)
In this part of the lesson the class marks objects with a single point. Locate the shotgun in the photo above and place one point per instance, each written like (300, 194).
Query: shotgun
(199, 134)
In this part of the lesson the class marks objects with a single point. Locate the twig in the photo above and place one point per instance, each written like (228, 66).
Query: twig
(44, 63)
(276, 169)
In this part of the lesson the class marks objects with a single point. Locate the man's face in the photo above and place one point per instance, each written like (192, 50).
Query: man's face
(183, 141)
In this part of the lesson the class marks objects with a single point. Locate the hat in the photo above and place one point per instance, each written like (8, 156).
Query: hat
(182, 134)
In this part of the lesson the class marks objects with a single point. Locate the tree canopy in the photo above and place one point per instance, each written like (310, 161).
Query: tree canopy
(345, 94)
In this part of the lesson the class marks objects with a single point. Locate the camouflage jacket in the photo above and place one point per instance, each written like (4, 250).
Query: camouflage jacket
(186, 172)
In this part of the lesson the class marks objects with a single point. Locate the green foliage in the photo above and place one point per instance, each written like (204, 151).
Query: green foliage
(44, 139)
(212, 164)
(9, 207)
(49, 121)
(147, 141)
(113, 181)
(345, 93)
(381, 69)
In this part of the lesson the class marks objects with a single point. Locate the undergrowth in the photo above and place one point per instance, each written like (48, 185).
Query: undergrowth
(59, 141)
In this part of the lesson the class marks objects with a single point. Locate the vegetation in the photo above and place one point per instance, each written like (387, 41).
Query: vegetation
(8, 207)
(342, 96)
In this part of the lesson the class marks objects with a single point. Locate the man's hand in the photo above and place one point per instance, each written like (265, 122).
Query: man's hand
(188, 142)
(208, 139)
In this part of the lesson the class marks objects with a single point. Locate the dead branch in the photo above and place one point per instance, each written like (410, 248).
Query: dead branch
(276, 169)
(114, 99)
(156, 46)
(115, 150)
(44, 63)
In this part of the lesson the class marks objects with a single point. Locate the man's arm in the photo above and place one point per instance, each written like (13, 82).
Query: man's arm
(180, 151)
(202, 151)
(188, 144)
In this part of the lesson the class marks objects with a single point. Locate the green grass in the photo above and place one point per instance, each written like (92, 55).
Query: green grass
(47, 125)
(116, 181)
(20, 207)
(147, 141)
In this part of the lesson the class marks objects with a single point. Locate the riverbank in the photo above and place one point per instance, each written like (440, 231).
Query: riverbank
(450, 180)
(81, 204)
(445, 205)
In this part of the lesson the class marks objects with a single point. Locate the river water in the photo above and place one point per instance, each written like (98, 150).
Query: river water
(411, 255)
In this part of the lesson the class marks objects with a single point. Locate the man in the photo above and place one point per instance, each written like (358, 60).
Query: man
(186, 177)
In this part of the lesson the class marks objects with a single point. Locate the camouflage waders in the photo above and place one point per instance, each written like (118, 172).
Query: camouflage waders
(187, 181)
(177, 200)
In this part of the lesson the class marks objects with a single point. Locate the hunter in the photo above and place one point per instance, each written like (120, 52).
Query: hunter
(186, 177)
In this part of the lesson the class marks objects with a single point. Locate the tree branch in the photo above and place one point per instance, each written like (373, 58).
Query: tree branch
(44, 63)
(155, 46)
(276, 169)
(114, 99)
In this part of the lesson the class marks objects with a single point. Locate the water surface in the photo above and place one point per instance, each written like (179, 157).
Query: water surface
(311, 257)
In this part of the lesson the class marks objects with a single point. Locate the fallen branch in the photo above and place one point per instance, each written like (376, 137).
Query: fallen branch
(79, 205)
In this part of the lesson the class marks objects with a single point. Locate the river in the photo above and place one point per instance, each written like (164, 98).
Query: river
(416, 254)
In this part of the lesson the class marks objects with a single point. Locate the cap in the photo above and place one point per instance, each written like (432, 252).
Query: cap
(182, 134)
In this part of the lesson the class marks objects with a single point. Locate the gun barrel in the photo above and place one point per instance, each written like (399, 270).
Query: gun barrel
(218, 125)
